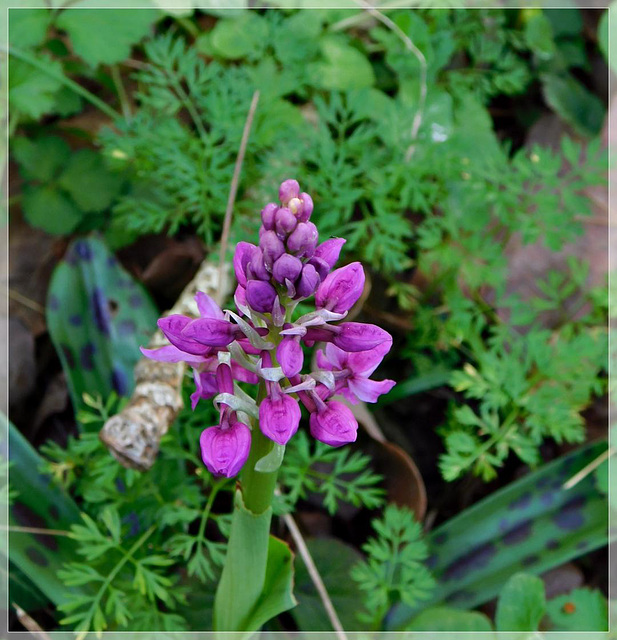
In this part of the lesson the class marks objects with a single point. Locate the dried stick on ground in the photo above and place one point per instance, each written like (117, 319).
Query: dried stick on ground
(133, 436)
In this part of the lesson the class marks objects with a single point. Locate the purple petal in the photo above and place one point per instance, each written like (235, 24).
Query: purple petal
(211, 332)
(290, 356)
(170, 353)
(285, 222)
(309, 281)
(363, 363)
(287, 267)
(208, 308)
(244, 251)
(279, 418)
(243, 375)
(173, 327)
(330, 250)
(356, 336)
(341, 288)
(206, 387)
(369, 390)
(306, 209)
(335, 425)
(268, 215)
(303, 240)
(257, 266)
(272, 247)
(224, 451)
(337, 356)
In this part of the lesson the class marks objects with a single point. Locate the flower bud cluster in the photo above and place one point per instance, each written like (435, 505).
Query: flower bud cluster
(263, 341)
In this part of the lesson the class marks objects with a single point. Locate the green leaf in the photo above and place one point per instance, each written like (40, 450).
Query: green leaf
(41, 159)
(574, 103)
(90, 183)
(277, 594)
(521, 605)
(449, 619)
(580, 610)
(28, 27)
(531, 525)
(98, 317)
(47, 208)
(32, 92)
(539, 36)
(239, 37)
(39, 503)
(333, 560)
(344, 68)
(106, 35)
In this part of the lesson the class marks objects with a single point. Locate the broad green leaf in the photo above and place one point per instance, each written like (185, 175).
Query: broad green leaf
(277, 593)
(106, 35)
(41, 504)
(32, 92)
(531, 525)
(47, 208)
(574, 103)
(238, 37)
(521, 605)
(450, 619)
(41, 159)
(91, 184)
(28, 27)
(344, 68)
(333, 560)
(580, 610)
(98, 317)
(567, 22)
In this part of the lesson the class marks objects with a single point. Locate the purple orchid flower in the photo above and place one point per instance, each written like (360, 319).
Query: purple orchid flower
(260, 343)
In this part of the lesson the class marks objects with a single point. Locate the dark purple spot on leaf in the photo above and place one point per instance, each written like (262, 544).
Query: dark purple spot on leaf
(132, 519)
(135, 301)
(569, 517)
(100, 310)
(54, 512)
(53, 303)
(119, 382)
(504, 525)
(543, 482)
(68, 355)
(112, 261)
(127, 327)
(26, 517)
(474, 560)
(548, 498)
(521, 502)
(441, 537)
(120, 486)
(36, 556)
(519, 533)
(552, 544)
(75, 320)
(527, 561)
(86, 357)
(582, 544)
(431, 561)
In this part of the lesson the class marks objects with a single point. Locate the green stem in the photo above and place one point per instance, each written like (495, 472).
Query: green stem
(122, 95)
(77, 88)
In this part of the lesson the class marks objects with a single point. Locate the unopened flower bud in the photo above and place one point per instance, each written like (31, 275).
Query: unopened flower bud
(272, 247)
(341, 289)
(303, 240)
(224, 451)
(224, 378)
(306, 209)
(267, 216)
(334, 424)
(308, 282)
(285, 222)
(330, 250)
(260, 296)
(290, 356)
(257, 265)
(244, 252)
(289, 189)
(287, 267)
(321, 266)
(279, 417)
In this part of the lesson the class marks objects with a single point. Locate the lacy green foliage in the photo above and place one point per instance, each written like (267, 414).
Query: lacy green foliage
(97, 316)
(338, 475)
(176, 513)
(531, 525)
(394, 570)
